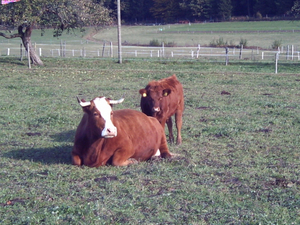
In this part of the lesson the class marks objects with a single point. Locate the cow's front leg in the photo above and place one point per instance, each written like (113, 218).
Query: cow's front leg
(122, 158)
(76, 160)
(170, 128)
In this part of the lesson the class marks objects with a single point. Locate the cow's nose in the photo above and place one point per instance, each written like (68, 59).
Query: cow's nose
(156, 109)
(110, 132)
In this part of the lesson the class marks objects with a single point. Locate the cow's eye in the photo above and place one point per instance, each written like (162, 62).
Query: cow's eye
(95, 114)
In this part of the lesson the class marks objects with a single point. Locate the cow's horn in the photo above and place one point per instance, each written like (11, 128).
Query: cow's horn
(113, 102)
(83, 104)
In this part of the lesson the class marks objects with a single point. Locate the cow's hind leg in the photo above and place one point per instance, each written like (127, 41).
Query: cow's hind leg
(163, 148)
(178, 121)
(170, 128)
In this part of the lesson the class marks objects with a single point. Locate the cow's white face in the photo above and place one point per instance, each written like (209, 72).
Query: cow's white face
(105, 110)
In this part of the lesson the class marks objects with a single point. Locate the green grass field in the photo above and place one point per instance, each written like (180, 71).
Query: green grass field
(188, 35)
(238, 164)
(258, 34)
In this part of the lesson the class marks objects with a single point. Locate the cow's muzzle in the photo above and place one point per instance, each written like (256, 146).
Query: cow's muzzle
(156, 109)
(109, 132)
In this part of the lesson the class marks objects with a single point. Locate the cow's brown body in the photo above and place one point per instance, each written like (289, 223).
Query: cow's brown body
(162, 99)
(138, 137)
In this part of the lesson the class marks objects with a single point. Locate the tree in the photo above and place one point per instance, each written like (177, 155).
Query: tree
(193, 8)
(167, 10)
(23, 16)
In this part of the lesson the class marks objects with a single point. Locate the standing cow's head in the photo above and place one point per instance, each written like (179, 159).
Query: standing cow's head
(152, 98)
(100, 113)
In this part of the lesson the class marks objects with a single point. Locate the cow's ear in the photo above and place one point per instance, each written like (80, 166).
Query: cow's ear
(166, 92)
(143, 92)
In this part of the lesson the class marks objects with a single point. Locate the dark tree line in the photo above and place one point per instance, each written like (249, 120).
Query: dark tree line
(143, 11)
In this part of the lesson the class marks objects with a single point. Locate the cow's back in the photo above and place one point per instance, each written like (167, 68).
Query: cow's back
(144, 133)
(173, 101)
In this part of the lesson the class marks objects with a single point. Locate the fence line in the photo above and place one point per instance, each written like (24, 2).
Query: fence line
(92, 50)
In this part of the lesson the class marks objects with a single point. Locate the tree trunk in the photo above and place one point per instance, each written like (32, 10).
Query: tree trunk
(26, 39)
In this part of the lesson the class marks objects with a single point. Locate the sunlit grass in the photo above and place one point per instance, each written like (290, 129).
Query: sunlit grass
(238, 164)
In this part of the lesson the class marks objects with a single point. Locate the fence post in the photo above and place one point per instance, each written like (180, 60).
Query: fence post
(241, 50)
(21, 52)
(198, 50)
(287, 52)
(28, 54)
(262, 55)
(163, 49)
(276, 61)
(103, 49)
(8, 51)
(226, 58)
(40, 51)
(292, 52)
(61, 48)
(111, 50)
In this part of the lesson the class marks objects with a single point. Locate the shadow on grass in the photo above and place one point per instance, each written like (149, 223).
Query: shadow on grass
(55, 155)
(66, 136)
(59, 154)
(12, 61)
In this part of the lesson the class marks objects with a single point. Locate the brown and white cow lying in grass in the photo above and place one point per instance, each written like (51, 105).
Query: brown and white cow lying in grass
(107, 137)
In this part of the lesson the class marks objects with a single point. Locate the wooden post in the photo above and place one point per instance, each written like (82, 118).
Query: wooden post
(111, 50)
(21, 52)
(226, 58)
(241, 50)
(103, 49)
(61, 49)
(276, 61)
(28, 56)
(119, 32)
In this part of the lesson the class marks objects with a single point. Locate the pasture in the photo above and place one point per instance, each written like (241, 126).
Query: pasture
(182, 41)
(238, 164)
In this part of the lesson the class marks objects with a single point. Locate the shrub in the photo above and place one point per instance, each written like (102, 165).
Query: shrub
(276, 44)
(154, 42)
(218, 43)
(243, 42)
(170, 44)
(258, 15)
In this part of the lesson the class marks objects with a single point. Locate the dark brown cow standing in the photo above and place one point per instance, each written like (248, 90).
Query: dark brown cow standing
(162, 99)
(107, 137)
